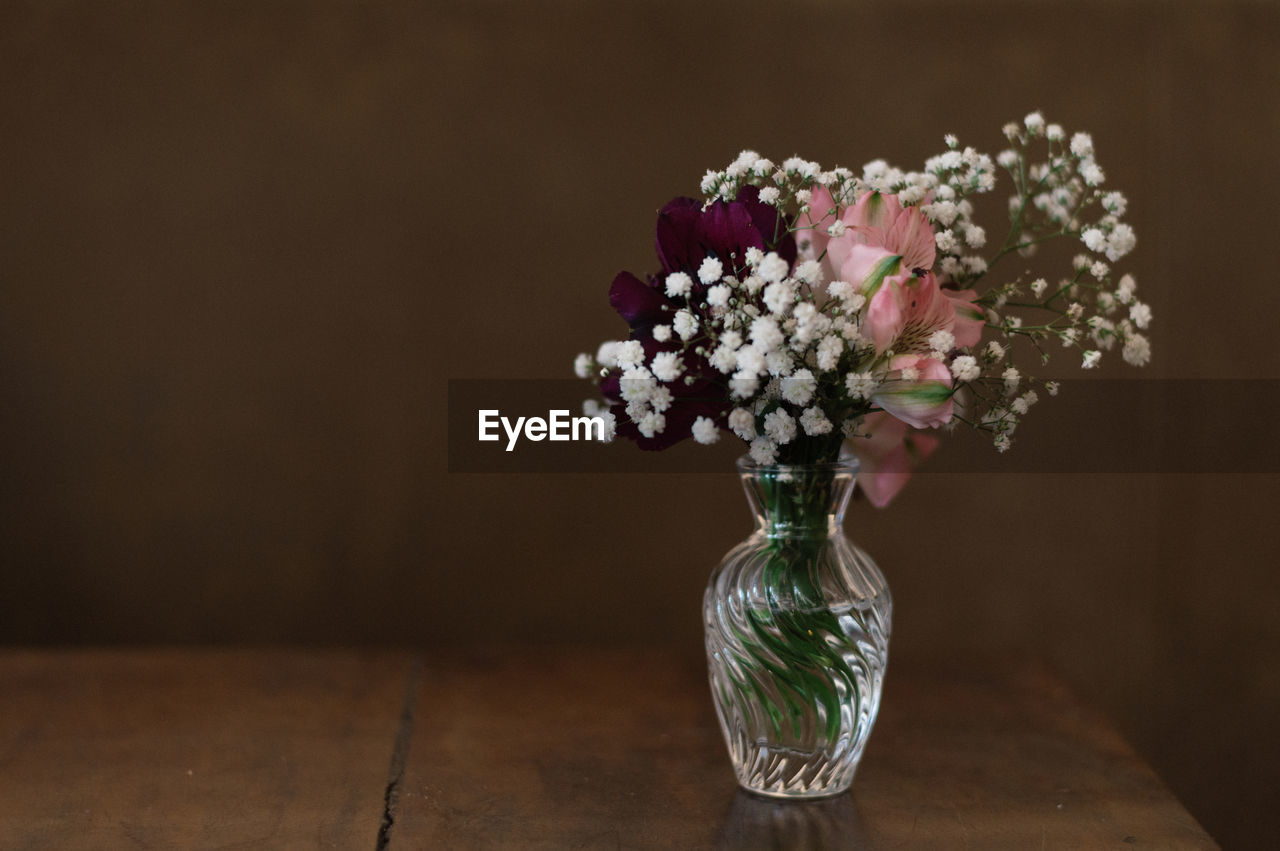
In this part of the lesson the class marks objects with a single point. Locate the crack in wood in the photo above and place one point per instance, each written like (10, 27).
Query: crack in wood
(399, 755)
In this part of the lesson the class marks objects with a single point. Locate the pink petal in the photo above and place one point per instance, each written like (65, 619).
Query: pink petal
(887, 456)
(815, 230)
(970, 319)
(873, 213)
(911, 235)
(923, 403)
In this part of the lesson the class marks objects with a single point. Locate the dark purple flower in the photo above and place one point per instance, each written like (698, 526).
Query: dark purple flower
(687, 234)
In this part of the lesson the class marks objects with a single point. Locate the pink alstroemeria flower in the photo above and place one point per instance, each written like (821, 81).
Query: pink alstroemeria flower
(887, 251)
(923, 401)
(906, 310)
(877, 220)
(887, 456)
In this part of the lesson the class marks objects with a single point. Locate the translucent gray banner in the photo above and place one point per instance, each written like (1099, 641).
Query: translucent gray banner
(1091, 426)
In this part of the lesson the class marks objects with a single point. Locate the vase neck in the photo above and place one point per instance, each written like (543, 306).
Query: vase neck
(801, 501)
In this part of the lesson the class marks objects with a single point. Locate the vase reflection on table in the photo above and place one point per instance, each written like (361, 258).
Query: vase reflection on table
(797, 625)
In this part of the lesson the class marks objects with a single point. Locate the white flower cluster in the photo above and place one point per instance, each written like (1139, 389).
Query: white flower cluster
(792, 362)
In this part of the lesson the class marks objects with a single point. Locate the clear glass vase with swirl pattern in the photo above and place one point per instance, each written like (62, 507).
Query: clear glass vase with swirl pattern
(797, 630)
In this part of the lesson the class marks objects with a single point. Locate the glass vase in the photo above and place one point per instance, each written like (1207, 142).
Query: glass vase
(797, 629)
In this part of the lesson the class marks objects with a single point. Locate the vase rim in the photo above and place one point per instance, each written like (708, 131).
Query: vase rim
(847, 462)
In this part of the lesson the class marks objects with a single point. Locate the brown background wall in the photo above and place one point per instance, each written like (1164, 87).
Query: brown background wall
(242, 249)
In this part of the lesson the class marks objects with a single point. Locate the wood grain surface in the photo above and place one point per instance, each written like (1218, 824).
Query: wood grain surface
(562, 748)
(621, 750)
(196, 749)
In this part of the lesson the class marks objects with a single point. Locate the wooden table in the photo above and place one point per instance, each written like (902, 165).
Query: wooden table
(561, 748)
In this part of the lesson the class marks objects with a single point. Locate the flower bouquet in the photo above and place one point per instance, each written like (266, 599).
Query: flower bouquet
(834, 322)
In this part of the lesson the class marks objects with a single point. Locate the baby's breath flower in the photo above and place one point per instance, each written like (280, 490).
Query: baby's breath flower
(994, 351)
(798, 388)
(1125, 289)
(679, 284)
(770, 195)
(718, 296)
(607, 354)
(965, 368)
(1011, 377)
(630, 354)
(710, 271)
(1102, 330)
(831, 347)
(1137, 350)
(779, 297)
(815, 422)
(942, 212)
(651, 424)
(705, 430)
(743, 423)
(743, 385)
(860, 385)
(772, 268)
(810, 271)
(660, 399)
(1082, 145)
(685, 324)
(1094, 239)
(1091, 359)
(750, 361)
(1051, 387)
(1140, 314)
(1034, 123)
(839, 290)
(666, 366)
(724, 359)
(763, 451)
(1114, 203)
(765, 334)
(1024, 402)
(662, 333)
(1092, 173)
(780, 426)
(779, 362)
(941, 342)
(1120, 242)
(1038, 287)
(582, 365)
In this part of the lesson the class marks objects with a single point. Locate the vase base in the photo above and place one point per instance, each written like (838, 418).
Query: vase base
(785, 774)
(798, 796)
